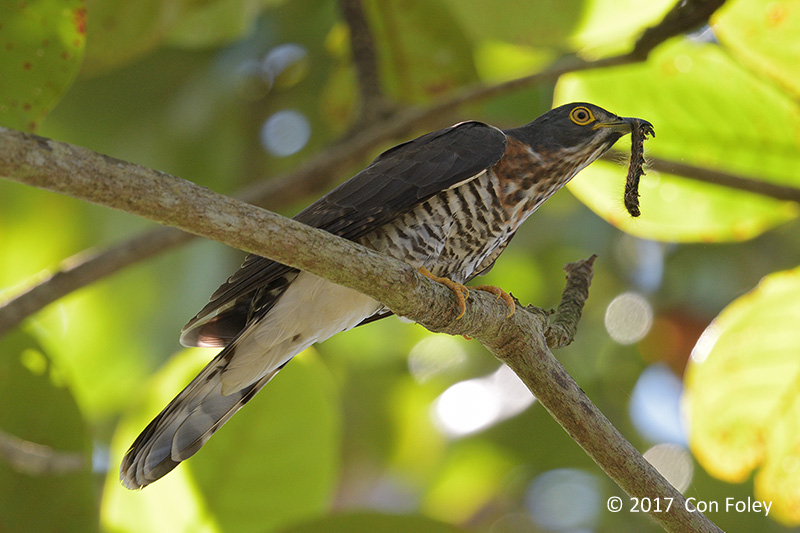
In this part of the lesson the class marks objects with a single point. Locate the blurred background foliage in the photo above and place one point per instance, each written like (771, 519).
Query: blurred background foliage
(388, 427)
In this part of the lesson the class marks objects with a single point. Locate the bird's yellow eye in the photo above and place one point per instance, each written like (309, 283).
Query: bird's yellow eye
(581, 116)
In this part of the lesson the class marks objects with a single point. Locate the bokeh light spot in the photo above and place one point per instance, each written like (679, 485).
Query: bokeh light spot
(655, 405)
(564, 500)
(476, 404)
(673, 462)
(286, 64)
(629, 317)
(434, 355)
(285, 133)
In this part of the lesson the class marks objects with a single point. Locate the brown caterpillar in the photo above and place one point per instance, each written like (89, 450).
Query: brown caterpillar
(640, 129)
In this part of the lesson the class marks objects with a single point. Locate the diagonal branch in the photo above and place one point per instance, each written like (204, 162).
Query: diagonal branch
(322, 170)
(519, 340)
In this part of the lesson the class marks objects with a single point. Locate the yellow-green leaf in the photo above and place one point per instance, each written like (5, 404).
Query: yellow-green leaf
(421, 51)
(743, 393)
(764, 34)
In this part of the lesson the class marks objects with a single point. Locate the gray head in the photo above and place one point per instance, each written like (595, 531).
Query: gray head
(576, 130)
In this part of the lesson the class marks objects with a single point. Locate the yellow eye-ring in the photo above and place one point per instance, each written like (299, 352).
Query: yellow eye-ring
(581, 116)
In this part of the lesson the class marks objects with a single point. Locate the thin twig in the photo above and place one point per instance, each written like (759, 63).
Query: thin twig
(716, 177)
(564, 323)
(37, 459)
(726, 179)
(518, 340)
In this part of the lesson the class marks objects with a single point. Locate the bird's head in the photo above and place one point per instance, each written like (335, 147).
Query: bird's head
(578, 132)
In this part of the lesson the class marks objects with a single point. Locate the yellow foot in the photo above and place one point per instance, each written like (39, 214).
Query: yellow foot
(500, 294)
(461, 292)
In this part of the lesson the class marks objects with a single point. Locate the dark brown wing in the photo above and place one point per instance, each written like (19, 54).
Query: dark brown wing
(394, 183)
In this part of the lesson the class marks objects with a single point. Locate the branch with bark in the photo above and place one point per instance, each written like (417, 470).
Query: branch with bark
(520, 341)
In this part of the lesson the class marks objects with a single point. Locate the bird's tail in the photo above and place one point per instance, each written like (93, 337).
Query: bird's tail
(186, 424)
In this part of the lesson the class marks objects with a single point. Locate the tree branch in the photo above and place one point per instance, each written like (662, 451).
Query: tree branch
(362, 44)
(519, 340)
(725, 179)
(322, 170)
(37, 459)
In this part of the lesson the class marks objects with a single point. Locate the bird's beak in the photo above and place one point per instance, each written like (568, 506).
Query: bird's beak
(625, 124)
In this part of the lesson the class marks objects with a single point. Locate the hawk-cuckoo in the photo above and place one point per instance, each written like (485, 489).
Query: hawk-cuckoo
(447, 202)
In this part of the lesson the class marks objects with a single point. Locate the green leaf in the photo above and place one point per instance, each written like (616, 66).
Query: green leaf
(742, 126)
(41, 48)
(218, 22)
(36, 406)
(421, 52)
(743, 393)
(121, 32)
(539, 24)
(764, 35)
(365, 521)
(280, 454)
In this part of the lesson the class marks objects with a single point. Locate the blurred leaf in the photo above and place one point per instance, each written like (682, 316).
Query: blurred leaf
(275, 462)
(121, 32)
(41, 48)
(418, 447)
(764, 35)
(540, 24)
(421, 51)
(499, 61)
(469, 479)
(218, 22)
(742, 393)
(366, 522)
(742, 126)
(37, 407)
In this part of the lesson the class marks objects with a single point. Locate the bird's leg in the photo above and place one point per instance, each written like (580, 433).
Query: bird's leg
(461, 292)
(507, 298)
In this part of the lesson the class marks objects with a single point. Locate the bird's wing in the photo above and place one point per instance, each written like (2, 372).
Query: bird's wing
(395, 182)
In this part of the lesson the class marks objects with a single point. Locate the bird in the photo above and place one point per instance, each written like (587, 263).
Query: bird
(446, 203)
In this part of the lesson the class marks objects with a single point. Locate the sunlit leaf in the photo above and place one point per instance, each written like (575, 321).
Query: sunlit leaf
(743, 126)
(365, 521)
(743, 393)
(37, 407)
(41, 48)
(764, 34)
(274, 463)
(608, 26)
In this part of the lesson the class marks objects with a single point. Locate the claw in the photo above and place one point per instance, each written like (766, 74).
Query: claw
(461, 292)
(507, 298)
